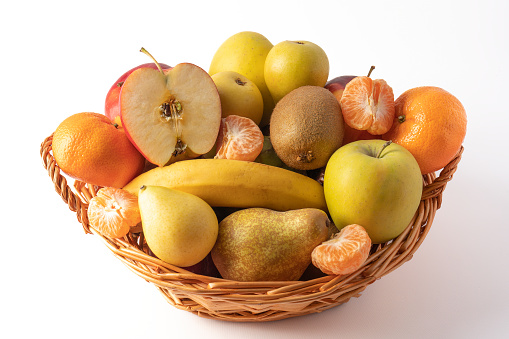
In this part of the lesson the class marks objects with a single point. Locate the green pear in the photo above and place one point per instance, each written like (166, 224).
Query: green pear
(245, 53)
(258, 244)
(239, 96)
(179, 227)
(292, 64)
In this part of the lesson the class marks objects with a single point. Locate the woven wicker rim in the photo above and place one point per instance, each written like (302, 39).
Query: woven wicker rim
(255, 301)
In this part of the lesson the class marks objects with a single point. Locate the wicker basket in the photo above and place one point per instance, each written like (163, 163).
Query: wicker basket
(255, 301)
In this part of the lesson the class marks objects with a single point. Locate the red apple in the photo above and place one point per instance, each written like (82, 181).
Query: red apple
(112, 104)
(204, 267)
(171, 113)
(336, 86)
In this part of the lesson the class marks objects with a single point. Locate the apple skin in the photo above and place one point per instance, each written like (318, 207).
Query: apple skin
(205, 267)
(338, 84)
(239, 96)
(337, 87)
(292, 64)
(245, 53)
(381, 194)
(112, 103)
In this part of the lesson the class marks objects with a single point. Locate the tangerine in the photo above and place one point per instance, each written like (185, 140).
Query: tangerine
(368, 105)
(90, 148)
(239, 138)
(431, 123)
(113, 211)
(344, 253)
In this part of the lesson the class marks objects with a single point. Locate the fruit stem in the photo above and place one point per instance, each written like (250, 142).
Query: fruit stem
(371, 70)
(383, 147)
(150, 55)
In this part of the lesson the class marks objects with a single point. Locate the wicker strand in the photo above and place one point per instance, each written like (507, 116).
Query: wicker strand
(217, 298)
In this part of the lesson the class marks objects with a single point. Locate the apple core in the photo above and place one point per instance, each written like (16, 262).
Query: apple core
(172, 112)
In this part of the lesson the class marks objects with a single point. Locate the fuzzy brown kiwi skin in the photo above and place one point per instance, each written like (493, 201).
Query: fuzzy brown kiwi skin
(307, 127)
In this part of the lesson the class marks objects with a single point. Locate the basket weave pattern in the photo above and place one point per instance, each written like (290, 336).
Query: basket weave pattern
(255, 301)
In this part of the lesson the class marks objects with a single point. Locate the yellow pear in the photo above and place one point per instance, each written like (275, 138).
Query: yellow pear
(179, 227)
(292, 64)
(245, 53)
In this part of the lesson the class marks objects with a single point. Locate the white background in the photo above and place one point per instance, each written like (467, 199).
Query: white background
(58, 59)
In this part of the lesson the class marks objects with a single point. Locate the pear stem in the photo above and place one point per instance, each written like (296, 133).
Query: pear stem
(371, 70)
(383, 147)
(150, 55)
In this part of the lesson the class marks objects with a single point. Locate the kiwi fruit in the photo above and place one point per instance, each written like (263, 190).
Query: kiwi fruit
(307, 127)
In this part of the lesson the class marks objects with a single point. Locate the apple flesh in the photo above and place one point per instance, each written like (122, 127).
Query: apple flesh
(375, 184)
(337, 86)
(166, 114)
(112, 103)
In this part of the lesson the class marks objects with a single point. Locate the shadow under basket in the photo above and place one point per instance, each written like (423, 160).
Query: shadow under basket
(228, 300)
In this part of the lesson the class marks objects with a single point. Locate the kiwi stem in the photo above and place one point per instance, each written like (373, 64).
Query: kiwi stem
(383, 147)
(371, 70)
(150, 55)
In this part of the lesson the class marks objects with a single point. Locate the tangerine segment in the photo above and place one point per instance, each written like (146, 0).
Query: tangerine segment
(239, 138)
(344, 253)
(431, 123)
(368, 105)
(113, 211)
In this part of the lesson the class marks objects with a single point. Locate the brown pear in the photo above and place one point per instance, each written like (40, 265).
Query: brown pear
(258, 244)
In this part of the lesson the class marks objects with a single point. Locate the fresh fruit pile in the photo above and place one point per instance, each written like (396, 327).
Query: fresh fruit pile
(259, 169)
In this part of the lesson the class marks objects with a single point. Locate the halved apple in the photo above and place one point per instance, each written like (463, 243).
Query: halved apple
(168, 113)
(112, 102)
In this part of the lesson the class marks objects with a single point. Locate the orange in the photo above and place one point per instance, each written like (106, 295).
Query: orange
(90, 148)
(368, 105)
(344, 253)
(431, 123)
(113, 211)
(239, 138)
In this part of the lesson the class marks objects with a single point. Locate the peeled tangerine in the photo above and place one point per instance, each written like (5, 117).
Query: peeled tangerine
(344, 253)
(113, 211)
(239, 138)
(368, 105)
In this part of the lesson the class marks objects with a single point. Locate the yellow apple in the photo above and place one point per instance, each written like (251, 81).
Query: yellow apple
(375, 184)
(245, 53)
(292, 64)
(239, 96)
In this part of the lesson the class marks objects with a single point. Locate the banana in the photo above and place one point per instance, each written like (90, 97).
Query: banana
(235, 183)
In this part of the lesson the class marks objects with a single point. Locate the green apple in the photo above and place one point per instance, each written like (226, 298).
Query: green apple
(292, 64)
(245, 53)
(239, 96)
(374, 183)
